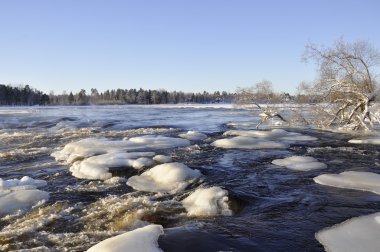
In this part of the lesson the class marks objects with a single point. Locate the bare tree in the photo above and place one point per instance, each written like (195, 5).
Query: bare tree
(346, 83)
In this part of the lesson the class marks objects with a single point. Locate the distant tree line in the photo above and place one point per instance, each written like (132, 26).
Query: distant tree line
(27, 96)
(22, 95)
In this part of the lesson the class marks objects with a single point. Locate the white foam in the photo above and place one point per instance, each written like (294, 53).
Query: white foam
(164, 178)
(207, 202)
(142, 240)
(162, 159)
(193, 136)
(356, 234)
(97, 167)
(373, 140)
(245, 142)
(364, 181)
(300, 163)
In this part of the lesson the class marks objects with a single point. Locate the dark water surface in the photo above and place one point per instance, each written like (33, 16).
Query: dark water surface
(275, 209)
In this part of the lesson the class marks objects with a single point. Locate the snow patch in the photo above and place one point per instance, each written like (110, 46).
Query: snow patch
(364, 181)
(193, 136)
(142, 239)
(300, 163)
(356, 234)
(246, 142)
(164, 178)
(207, 202)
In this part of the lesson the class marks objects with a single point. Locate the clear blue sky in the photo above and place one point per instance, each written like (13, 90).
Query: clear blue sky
(189, 45)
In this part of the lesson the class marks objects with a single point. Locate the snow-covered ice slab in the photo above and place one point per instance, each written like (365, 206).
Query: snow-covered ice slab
(97, 167)
(356, 234)
(300, 163)
(95, 146)
(193, 136)
(162, 159)
(373, 140)
(140, 240)
(246, 142)
(21, 194)
(207, 202)
(164, 178)
(278, 134)
(364, 181)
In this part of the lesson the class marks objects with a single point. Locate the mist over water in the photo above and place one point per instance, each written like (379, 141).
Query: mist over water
(274, 208)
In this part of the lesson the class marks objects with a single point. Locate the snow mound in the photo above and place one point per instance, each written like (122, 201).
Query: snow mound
(164, 178)
(142, 240)
(97, 167)
(373, 140)
(158, 142)
(20, 194)
(278, 134)
(356, 234)
(207, 202)
(364, 181)
(300, 163)
(162, 159)
(245, 142)
(193, 136)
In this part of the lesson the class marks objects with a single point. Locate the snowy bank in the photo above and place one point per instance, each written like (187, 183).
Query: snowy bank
(140, 240)
(356, 234)
(364, 181)
(300, 163)
(207, 202)
(164, 178)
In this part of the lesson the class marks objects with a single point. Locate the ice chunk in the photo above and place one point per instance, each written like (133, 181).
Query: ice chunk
(364, 181)
(11, 201)
(97, 167)
(162, 159)
(278, 134)
(23, 182)
(193, 136)
(164, 178)
(245, 142)
(207, 202)
(300, 163)
(356, 234)
(373, 140)
(142, 240)
(94, 146)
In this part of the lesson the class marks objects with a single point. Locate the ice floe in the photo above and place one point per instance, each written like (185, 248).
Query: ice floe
(356, 234)
(164, 178)
(300, 163)
(278, 134)
(97, 167)
(207, 202)
(193, 136)
(373, 140)
(142, 239)
(95, 146)
(246, 142)
(364, 181)
(162, 159)
(20, 194)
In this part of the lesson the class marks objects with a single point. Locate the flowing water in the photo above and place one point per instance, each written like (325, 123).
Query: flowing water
(275, 209)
